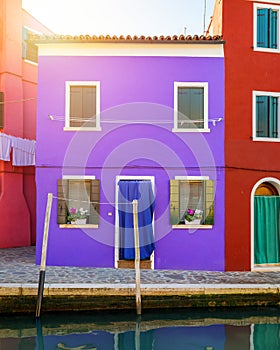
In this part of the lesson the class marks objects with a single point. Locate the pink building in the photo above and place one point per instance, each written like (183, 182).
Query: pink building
(18, 91)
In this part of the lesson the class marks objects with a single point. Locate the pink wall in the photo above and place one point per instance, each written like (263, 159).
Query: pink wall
(18, 81)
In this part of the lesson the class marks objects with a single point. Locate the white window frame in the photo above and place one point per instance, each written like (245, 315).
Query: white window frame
(117, 225)
(264, 93)
(68, 85)
(203, 85)
(78, 177)
(255, 29)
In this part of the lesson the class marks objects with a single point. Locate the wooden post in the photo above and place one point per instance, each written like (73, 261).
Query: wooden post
(137, 256)
(44, 256)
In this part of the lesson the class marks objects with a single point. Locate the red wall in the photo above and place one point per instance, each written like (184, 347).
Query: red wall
(247, 161)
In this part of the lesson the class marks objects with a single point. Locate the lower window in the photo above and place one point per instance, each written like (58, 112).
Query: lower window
(266, 115)
(192, 202)
(78, 201)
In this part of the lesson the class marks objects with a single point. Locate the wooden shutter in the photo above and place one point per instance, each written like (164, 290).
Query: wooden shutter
(95, 199)
(62, 193)
(209, 191)
(1, 109)
(83, 106)
(174, 202)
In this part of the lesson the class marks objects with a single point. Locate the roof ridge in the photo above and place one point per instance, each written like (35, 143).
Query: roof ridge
(128, 38)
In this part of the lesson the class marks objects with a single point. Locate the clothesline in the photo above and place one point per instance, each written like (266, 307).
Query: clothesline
(17, 101)
(89, 202)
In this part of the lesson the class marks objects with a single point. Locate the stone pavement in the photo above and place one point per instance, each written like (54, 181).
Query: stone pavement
(160, 288)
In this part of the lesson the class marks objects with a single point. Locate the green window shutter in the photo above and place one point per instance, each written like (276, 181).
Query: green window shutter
(1, 109)
(62, 193)
(174, 202)
(273, 28)
(262, 28)
(95, 198)
(262, 116)
(209, 191)
(273, 116)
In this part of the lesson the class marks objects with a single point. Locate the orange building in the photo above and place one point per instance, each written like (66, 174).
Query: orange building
(251, 30)
(18, 91)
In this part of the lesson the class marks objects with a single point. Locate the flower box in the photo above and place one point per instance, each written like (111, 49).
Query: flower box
(79, 222)
(194, 222)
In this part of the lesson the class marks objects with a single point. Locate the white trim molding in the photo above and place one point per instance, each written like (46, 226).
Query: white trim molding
(117, 243)
(265, 5)
(267, 267)
(68, 85)
(203, 85)
(254, 116)
(127, 49)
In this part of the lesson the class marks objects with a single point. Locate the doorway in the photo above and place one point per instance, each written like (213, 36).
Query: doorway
(129, 188)
(266, 225)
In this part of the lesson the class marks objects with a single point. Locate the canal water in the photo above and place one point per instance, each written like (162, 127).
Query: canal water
(238, 329)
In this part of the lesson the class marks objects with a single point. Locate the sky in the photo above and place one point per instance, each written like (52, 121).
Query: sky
(122, 17)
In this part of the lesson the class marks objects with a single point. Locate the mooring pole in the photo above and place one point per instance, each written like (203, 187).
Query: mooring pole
(44, 256)
(137, 256)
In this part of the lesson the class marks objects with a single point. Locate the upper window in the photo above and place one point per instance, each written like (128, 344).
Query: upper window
(190, 107)
(83, 105)
(78, 201)
(266, 116)
(192, 201)
(266, 33)
(29, 50)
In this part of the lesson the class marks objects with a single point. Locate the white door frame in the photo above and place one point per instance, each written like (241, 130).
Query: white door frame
(117, 240)
(276, 183)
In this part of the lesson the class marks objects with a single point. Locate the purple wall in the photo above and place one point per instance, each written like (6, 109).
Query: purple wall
(132, 89)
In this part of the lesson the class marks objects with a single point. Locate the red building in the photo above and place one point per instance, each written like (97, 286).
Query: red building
(251, 31)
(18, 90)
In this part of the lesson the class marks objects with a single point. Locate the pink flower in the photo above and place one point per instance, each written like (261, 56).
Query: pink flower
(73, 211)
(190, 211)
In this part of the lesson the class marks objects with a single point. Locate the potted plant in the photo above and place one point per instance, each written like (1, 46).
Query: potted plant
(193, 217)
(77, 217)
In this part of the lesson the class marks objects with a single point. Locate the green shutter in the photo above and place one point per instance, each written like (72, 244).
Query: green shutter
(95, 199)
(174, 202)
(273, 30)
(1, 110)
(262, 28)
(273, 117)
(62, 193)
(209, 202)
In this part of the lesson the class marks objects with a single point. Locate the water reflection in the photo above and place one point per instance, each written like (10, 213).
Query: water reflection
(187, 329)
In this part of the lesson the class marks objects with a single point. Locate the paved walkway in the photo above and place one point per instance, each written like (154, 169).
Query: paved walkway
(162, 288)
(17, 265)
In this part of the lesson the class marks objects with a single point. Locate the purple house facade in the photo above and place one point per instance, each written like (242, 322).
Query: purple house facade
(124, 119)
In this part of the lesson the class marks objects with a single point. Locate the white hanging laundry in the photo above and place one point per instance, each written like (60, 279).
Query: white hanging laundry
(23, 151)
(5, 147)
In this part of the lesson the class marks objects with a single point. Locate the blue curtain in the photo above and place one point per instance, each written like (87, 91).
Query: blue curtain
(142, 191)
(267, 240)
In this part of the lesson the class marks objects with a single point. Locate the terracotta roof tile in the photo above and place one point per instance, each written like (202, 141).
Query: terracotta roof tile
(137, 39)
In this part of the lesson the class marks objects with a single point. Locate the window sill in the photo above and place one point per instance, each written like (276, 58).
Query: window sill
(68, 128)
(266, 139)
(86, 226)
(264, 49)
(190, 130)
(192, 226)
